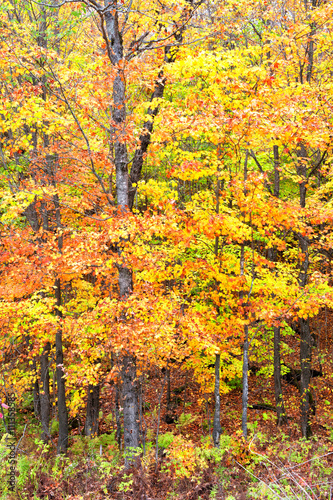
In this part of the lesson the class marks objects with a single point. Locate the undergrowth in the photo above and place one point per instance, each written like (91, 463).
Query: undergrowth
(263, 467)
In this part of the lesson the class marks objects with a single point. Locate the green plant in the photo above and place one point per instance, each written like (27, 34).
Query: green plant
(23, 467)
(185, 420)
(234, 383)
(109, 418)
(214, 492)
(127, 483)
(164, 440)
(54, 428)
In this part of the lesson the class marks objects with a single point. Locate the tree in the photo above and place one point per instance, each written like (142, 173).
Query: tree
(195, 257)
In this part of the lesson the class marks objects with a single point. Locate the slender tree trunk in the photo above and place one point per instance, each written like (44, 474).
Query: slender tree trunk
(117, 405)
(304, 325)
(117, 412)
(305, 352)
(41, 393)
(280, 410)
(92, 412)
(302, 172)
(305, 347)
(62, 409)
(245, 393)
(276, 171)
(217, 413)
(141, 417)
(45, 393)
(168, 390)
(36, 391)
(145, 138)
(159, 417)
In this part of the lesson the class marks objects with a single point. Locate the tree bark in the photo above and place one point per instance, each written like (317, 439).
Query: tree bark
(45, 393)
(145, 137)
(217, 412)
(36, 394)
(280, 409)
(131, 414)
(304, 325)
(305, 347)
(245, 393)
(92, 412)
(115, 50)
(62, 409)
(276, 171)
(144, 140)
(117, 412)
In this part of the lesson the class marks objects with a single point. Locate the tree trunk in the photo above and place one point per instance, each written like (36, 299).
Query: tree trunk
(145, 137)
(115, 51)
(305, 347)
(217, 413)
(45, 393)
(305, 352)
(131, 414)
(92, 413)
(280, 410)
(245, 394)
(62, 409)
(276, 171)
(168, 390)
(117, 412)
(36, 391)
(304, 326)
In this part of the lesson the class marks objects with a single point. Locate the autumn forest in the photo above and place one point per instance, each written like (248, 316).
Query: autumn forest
(166, 246)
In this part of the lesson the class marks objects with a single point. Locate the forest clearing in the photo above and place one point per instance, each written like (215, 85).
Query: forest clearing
(166, 232)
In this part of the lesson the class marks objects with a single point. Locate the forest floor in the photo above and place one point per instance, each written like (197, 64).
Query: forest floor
(272, 463)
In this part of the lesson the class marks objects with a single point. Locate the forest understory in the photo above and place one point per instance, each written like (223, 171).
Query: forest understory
(274, 462)
(166, 246)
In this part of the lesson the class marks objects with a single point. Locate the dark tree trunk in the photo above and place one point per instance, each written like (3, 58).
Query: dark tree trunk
(118, 422)
(217, 413)
(305, 347)
(245, 393)
(280, 410)
(304, 325)
(144, 140)
(305, 351)
(276, 171)
(62, 409)
(36, 391)
(145, 137)
(302, 172)
(45, 393)
(92, 413)
(168, 390)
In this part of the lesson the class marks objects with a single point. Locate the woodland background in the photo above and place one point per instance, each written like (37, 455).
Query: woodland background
(166, 244)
